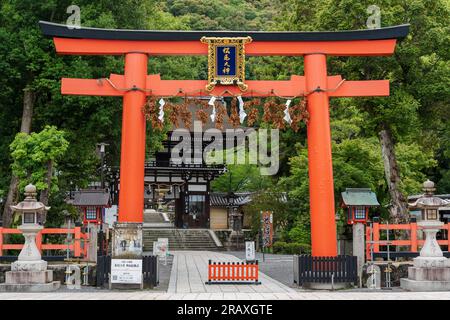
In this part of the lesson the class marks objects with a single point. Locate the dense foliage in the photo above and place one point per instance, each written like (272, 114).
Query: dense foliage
(415, 115)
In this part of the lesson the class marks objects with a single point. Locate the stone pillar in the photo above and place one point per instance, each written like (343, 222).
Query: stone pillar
(92, 246)
(359, 245)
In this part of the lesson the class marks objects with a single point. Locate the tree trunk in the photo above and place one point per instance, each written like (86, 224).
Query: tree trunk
(398, 208)
(13, 193)
(48, 180)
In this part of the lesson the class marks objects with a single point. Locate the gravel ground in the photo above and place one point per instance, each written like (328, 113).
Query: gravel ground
(276, 266)
(280, 268)
(164, 274)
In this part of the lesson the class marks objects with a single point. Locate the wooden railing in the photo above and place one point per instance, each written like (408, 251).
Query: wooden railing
(79, 245)
(413, 242)
(232, 272)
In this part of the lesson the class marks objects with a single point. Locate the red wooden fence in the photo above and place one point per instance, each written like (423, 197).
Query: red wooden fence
(79, 247)
(413, 242)
(233, 272)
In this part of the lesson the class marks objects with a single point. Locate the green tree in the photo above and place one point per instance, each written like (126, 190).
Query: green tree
(35, 159)
(418, 72)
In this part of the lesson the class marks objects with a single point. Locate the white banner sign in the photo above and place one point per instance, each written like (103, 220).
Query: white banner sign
(126, 271)
(250, 250)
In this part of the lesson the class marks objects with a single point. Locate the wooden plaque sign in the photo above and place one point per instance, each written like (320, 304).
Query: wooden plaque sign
(226, 61)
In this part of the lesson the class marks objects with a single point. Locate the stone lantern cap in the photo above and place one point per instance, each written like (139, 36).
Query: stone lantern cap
(428, 200)
(30, 204)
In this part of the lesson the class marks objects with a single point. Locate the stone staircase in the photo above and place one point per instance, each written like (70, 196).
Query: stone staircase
(154, 219)
(180, 239)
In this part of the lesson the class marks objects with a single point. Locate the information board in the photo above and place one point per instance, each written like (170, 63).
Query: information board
(250, 250)
(126, 271)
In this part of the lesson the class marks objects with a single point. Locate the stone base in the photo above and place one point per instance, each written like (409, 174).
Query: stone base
(28, 277)
(326, 286)
(29, 266)
(430, 262)
(41, 287)
(414, 285)
(236, 241)
(429, 274)
(121, 286)
(127, 240)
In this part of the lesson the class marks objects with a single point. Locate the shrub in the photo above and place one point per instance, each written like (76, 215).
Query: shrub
(279, 247)
(298, 248)
(291, 248)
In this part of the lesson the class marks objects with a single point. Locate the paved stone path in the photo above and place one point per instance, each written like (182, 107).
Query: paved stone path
(187, 282)
(149, 295)
(190, 272)
(276, 266)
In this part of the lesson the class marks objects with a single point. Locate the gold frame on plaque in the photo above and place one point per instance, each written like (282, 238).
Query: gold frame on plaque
(237, 79)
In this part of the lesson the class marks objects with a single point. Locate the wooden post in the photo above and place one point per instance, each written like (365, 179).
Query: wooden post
(1, 241)
(413, 236)
(77, 242)
(447, 225)
(39, 241)
(376, 237)
(368, 244)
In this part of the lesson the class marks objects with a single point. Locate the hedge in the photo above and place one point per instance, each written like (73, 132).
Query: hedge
(291, 248)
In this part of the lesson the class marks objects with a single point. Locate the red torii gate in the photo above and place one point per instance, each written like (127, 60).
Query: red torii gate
(136, 84)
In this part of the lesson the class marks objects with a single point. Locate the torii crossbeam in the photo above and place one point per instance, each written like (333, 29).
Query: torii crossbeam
(136, 84)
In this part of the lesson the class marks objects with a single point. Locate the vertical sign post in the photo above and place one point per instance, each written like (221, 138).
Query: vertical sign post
(250, 251)
(267, 229)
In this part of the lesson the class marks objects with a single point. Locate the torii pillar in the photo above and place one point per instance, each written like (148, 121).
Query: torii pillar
(132, 156)
(135, 85)
(321, 187)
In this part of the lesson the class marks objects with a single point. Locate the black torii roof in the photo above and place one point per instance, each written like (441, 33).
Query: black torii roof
(50, 29)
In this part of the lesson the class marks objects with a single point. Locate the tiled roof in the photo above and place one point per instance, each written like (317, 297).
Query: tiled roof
(359, 197)
(219, 199)
(91, 198)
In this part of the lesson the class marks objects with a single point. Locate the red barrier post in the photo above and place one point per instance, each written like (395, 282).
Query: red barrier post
(413, 237)
(448, 236)
(368, 244)
(1, 241)
(376, 236)
(39, 241)
(209, 270)
(77, 242)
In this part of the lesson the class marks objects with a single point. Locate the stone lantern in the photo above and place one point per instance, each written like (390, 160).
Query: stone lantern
(431, 270)
(29, 272)
(431, 254)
